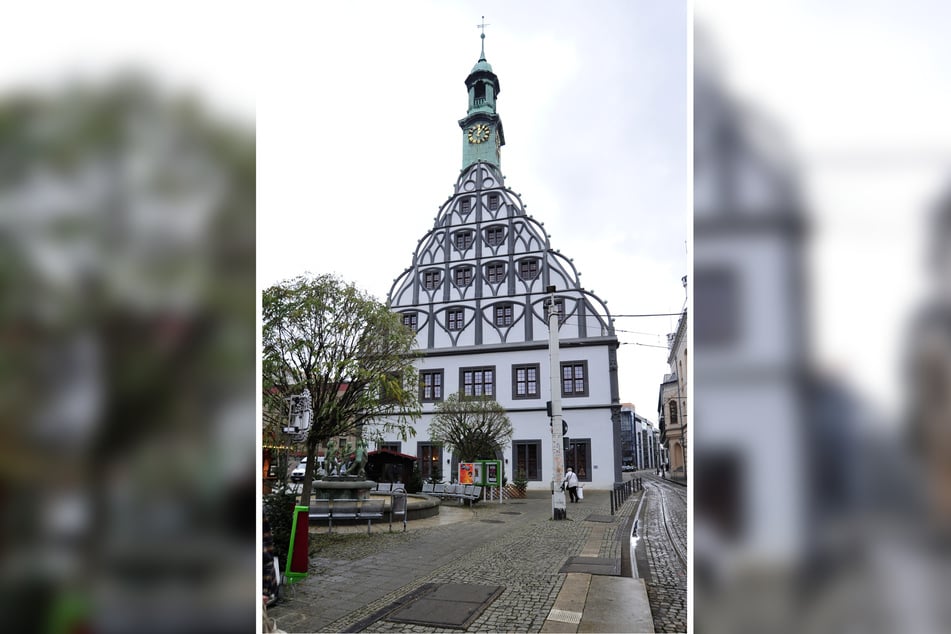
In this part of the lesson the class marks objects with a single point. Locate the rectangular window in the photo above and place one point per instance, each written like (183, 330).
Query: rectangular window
(465, 205)
(494, 272)
(526, 457)
(493, 202)
(454, 319)
(463, 240)
(410, 320)
(578, 457)
(494, 236)
(525, 381)
(390, 446)
(431, 279)
(430, 460)
(673, 412)
(430, 385)
(717, 299)
(503, 315)
(574, 381)
(528, 269)
(463, 276)
(478, 381)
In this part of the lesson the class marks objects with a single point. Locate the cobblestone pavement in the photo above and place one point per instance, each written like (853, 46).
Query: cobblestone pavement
(353, 578)
(664, 533)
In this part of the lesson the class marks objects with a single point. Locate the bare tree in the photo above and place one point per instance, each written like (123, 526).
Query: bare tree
(350, 351)
(473, 427)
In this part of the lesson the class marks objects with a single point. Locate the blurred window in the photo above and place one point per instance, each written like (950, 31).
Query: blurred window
(717, 306)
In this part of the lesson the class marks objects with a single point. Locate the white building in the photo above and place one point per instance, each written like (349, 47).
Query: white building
(475, 292)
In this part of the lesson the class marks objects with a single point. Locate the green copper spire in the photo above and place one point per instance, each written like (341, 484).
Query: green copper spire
(482, 137)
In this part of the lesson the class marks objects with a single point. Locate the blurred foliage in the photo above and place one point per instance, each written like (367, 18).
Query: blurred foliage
(127, 325)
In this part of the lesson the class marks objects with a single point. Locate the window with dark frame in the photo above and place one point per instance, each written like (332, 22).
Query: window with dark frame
(462, 240)
(494, 236)
(526, 457)
(574, 380)
(465, 205)
(673, 412)
(430, 459)
(430, 385)
(431, 279)
(454, 317)
(462, 275)
(395, 447)
(478, 381)
(503, 315)
(410, 320)
(493, 202)
(528, 268)
(494, 272)
(578, 457)
(525, 381)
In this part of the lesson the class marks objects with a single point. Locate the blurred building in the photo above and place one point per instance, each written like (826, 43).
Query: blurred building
(672, 403)
(750, 337)
(476, 295)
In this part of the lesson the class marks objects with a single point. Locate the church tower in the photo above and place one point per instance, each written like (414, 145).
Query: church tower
(475, 293)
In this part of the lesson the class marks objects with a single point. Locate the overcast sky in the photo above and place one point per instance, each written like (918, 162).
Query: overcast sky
(359, 145)
(861, 91)
(356, 106)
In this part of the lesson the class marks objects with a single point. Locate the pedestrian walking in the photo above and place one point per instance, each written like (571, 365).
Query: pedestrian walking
(571, 483)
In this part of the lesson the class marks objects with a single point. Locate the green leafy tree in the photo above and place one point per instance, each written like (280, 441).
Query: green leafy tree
(350, 351)
(473, 427)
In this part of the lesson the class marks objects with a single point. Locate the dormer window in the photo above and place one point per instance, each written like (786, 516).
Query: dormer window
(431, 279)
(503, 315)
(462, 275)
(494, 236)
(493, 202)
(462, 240)
(494, 272)
(454, 319)
(528, 268)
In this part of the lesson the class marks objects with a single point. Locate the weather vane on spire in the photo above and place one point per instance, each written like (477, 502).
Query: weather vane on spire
(482, 26)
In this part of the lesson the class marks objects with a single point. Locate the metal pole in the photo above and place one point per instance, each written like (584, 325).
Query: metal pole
(558, 505)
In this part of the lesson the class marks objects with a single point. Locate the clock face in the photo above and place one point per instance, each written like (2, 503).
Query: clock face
(479, 133)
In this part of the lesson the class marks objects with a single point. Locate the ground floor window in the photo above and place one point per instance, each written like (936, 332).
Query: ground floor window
(390, 446)
(526, 457)
(578, 457)
(430, 460)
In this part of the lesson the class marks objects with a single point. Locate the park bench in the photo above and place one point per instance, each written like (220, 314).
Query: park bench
(370, 510)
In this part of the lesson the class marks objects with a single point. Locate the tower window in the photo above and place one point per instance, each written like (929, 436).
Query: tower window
(410, 320)
(494, 236)
(503, 315)
(463, 276)
(493, 202)
(431, 280)
(465, 205)
(462, 240)
(528, 268)
(494, 272)
(454, 319)
(480, 91)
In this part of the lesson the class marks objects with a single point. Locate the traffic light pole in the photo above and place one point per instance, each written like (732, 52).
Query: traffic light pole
(558, 506)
